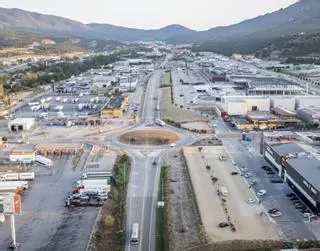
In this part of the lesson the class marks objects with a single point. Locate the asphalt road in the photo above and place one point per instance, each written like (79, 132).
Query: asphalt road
(144, 179)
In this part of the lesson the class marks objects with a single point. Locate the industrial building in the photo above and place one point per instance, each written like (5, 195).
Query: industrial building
(24, 154)
(298, 168)
(309, 115)
(114, 108)
(241, 105)
(21, 124)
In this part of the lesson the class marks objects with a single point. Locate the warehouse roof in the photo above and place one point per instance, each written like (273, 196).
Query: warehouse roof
(22, 121)
(305, 164)
(23, 148)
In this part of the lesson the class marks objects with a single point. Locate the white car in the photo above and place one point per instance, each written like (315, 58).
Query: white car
(276, 214)
(172, 144)
(261, 192)
(251, 201)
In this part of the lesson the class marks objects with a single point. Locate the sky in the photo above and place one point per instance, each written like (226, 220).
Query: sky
(149, 14)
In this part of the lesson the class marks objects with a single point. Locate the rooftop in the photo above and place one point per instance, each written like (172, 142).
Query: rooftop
(24, 148)
(303, 162)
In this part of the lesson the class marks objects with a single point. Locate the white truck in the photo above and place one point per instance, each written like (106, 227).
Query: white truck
(44, 161)
(160, 122)
(17, 176)
(97, 175)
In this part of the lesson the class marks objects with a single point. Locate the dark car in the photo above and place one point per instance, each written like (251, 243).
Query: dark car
(290, 195)
(273, 210)
(234, 173)
(265, 167)
(223, 224)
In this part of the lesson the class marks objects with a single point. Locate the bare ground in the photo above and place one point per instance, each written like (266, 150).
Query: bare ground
(248, 222)
(153, 137)
(176, 114)
(184, 220)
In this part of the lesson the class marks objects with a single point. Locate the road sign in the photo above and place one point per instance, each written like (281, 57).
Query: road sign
(8, 203)
(12, 204)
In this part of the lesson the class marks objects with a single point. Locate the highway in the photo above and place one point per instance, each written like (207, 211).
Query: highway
(144, 178)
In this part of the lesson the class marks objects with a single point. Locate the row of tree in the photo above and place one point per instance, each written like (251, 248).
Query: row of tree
(42, 73)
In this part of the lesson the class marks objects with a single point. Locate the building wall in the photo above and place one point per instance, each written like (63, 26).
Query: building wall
(111, 113)
(288, 103)
(263, 104)
(307, 101)
(305, 116)
(236, 108)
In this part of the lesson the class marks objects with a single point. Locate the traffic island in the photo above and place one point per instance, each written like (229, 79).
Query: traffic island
(149, 137)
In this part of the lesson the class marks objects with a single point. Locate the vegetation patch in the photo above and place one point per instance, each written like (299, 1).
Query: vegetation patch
(110, 230)
(162, 216)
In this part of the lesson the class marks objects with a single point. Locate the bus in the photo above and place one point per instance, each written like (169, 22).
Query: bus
(135, 234)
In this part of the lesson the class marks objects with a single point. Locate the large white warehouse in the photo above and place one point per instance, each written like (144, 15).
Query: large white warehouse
(240, 105)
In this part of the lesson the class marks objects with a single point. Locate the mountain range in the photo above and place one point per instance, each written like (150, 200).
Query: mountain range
(303, 17)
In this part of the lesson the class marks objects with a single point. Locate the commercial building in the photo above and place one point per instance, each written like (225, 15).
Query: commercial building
(241, 105)
(114, 108)
(286, 102)
(298, 168)
(24, 154)
(21, 124)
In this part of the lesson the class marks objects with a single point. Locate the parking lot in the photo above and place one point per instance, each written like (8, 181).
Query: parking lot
(67, 103)
(46, 224)
(291, 224)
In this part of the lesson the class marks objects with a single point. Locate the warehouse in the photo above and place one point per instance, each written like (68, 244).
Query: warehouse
(298, 168)
(21, 124)
(241, 105)
(24, 154)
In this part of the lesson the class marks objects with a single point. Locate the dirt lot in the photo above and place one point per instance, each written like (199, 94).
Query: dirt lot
(196, 126)
(183, 221)
(248, 222)
(152, 137)
(171, 112)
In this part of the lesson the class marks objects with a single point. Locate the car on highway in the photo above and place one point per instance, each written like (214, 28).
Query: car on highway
(261, 192)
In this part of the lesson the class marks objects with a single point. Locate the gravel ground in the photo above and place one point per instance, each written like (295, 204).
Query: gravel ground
(179, 115)
(184, 217)
(246, 217)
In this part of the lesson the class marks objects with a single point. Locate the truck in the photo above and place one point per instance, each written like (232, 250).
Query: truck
(44, 161)
(16, 176)
(93, 182)
(14, 184)
(98, 175)
(223, 191)
(160, 122)
(33, 103)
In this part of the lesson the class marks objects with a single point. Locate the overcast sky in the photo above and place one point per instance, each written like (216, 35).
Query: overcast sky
(195, 14)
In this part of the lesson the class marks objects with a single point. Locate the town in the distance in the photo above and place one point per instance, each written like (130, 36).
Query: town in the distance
(160, 140)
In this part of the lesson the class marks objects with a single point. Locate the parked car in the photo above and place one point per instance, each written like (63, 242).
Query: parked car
(252, 183)
(234, 173)
(251, 201)
(223, 224)
(261, 192)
